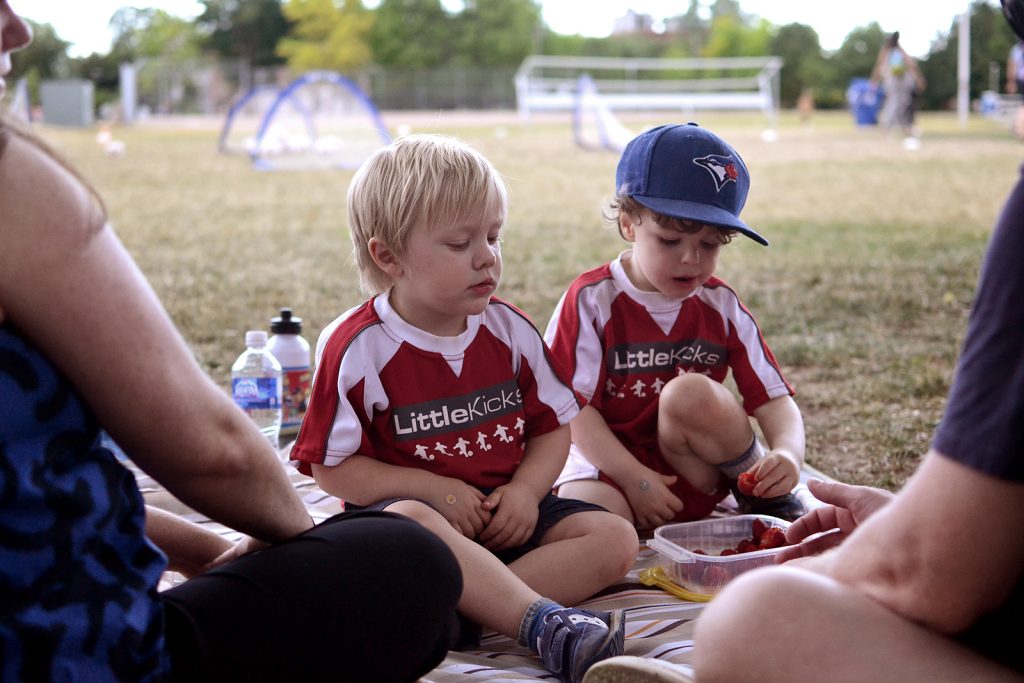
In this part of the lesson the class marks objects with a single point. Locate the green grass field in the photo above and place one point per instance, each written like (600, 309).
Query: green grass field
(863, 295)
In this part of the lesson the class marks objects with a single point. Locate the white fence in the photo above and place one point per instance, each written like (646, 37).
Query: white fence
(999, 107)
(548, 83)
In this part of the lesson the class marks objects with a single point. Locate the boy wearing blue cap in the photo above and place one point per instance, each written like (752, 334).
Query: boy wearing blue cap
(650, 337)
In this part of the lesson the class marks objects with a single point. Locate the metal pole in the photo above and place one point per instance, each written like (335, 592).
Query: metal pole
(963, 87)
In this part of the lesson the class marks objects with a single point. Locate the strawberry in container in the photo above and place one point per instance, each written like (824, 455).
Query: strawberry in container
(703, 556)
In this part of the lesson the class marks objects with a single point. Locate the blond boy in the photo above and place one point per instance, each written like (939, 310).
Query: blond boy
(438, 401)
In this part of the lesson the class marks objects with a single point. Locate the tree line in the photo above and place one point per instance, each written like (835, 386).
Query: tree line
(347, 36)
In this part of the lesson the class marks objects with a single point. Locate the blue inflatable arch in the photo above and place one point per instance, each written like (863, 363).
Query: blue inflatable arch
(287, 96)
(237, 106)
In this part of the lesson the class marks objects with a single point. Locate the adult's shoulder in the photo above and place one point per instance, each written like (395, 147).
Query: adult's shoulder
(47, 217)
(41, 197)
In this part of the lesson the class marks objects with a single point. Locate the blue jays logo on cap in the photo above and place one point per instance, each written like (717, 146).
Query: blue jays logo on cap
(722, 169)
(686, 172)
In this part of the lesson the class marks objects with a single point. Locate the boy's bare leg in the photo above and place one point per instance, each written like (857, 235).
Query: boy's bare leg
(700, 425)
(789, 624)
(599, 547)
(568, 641)
(600, 493)
(492, 595)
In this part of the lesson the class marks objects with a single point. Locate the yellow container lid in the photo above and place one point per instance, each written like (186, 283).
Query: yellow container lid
(655, 576)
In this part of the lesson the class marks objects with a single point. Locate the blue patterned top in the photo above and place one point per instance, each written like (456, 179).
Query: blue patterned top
(78, 577)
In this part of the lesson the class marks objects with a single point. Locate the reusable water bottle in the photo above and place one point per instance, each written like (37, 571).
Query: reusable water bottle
(256, 385)
(292, 351)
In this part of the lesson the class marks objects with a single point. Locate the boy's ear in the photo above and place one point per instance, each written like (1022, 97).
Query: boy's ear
(627, 226)
(384, 257)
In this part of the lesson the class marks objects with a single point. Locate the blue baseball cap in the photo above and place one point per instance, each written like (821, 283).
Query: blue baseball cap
(687, 172)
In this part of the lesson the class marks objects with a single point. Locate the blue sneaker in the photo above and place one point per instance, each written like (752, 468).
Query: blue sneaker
(573, 640)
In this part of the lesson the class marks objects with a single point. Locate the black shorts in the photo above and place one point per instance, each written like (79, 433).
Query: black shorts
(550, 511)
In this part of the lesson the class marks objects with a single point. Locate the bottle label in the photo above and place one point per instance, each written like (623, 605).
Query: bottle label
(255, 393)
(295, 397)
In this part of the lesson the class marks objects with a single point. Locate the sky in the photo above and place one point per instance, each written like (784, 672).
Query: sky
(918, 21)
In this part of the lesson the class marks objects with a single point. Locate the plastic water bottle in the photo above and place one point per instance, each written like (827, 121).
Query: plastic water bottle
(292, 351)
(256, 385)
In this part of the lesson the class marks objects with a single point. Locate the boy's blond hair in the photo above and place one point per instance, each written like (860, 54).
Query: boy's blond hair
(417, 179)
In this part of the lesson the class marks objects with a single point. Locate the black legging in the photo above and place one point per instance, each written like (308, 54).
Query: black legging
(364, 596)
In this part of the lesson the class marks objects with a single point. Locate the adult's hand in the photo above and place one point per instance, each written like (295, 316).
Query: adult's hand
(244, 546)
(847, 507)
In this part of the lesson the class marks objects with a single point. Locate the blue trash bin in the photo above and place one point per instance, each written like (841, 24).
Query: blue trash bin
(865, 101)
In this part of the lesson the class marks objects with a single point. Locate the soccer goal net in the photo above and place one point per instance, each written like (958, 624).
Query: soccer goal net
(549, 83)
(320, 120)
(594, 125)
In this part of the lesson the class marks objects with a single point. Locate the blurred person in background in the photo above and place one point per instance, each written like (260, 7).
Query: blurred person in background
(902, 82)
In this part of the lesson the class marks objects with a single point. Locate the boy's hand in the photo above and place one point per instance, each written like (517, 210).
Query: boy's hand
(460, 504)
(652, 502)
(776, 473)
(515, 518)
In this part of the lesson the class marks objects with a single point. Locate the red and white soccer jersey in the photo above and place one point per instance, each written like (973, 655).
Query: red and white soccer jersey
(460, 406)
(621, 345)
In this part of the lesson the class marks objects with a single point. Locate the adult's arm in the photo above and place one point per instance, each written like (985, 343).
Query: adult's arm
(69, 285)
(946, 550)
(189, 547)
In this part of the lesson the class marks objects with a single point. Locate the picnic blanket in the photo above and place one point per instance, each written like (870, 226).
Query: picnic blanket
(658, 624)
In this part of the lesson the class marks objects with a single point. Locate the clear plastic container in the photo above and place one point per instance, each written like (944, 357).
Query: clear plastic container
(707, 574)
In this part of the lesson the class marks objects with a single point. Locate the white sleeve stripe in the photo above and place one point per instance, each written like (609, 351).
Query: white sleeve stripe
(725, 301)
(551, 390)
(552, 329)
(365, 354)
(588, 348)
